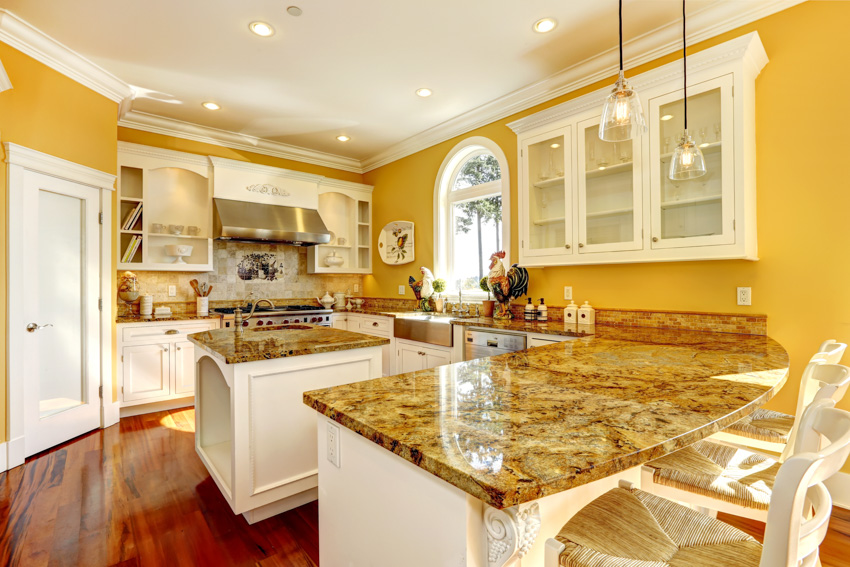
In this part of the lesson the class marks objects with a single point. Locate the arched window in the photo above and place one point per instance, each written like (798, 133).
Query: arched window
(472, 214)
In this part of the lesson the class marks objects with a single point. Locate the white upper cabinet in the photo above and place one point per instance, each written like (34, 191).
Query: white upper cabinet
(346, 209)
(585, 201)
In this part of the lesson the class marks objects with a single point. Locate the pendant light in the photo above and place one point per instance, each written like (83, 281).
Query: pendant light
(622, 117)
(688, 161)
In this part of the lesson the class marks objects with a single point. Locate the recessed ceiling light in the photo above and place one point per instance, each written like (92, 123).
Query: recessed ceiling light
(343, 138)
(667, 117)
(262, 29)
(545, 25)
(211, 106)
(423, 92)
(294, 11)
(555, 146)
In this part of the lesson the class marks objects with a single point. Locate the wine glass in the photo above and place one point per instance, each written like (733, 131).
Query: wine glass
(717, 132)
(702, 134)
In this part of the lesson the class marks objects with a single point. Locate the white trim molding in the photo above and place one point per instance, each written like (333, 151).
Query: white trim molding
(5, 83)
(57, 167)
(204, 134)
(28, 39)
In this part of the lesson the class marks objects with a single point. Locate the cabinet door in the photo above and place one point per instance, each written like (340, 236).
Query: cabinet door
(700, 211)
(546, 199)
(339, 322)
(609, 192)
(146, 371)
(184, 368)
(434, 358)
(410, 358)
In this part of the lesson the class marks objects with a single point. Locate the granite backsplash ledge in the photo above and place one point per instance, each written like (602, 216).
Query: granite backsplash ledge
(240, 268)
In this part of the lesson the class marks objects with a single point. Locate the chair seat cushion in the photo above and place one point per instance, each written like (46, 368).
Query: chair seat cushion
(632, 528)
(764, 425)
(718, 471)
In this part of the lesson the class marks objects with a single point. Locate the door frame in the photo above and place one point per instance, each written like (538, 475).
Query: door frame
(19, 160)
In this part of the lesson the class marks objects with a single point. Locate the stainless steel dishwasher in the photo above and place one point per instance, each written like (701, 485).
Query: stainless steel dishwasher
(479, 343)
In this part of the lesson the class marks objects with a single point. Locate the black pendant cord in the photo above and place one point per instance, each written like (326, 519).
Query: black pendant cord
(685, 63)
(621, 36)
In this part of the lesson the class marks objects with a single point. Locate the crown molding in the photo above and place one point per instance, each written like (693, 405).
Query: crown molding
(709, 22)
(129, 148)
(34, 160)
(264, 169)
(33, 42)
(189, 131)
(5, 83)
(340, 184)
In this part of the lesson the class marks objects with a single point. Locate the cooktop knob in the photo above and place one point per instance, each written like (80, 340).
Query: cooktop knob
(244, 323)
(259, 323)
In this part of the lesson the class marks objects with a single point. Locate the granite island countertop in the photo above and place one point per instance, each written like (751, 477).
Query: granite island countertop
(517, 427)
(121, 319)
(279, 341)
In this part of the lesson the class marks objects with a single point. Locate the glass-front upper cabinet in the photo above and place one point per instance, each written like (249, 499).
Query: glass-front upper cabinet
(700, 211)
(547, 206)
(609, 192)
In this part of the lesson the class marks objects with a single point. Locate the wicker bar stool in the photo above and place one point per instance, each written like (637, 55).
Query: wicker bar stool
(627, 527)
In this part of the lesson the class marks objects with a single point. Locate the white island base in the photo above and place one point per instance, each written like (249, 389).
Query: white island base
(253, 432)
(377, 509)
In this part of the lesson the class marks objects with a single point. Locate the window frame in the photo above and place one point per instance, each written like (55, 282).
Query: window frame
(445, 199)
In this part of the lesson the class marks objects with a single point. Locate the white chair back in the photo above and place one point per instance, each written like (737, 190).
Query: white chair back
(821, 380)
(831, 351)
(800, 507)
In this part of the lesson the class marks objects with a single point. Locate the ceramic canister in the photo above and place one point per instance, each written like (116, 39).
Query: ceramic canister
(202, 305)
(146, 305)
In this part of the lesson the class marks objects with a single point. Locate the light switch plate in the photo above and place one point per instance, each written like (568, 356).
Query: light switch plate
(568, 292)
(357, 288)
(745, 296)
(333, 444)
(401, 289)
(172, 291)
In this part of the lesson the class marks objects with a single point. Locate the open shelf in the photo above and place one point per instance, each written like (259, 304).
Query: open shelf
(691, 201)
(218, 456)
(334, 245)
(709, 148)
(610, 213)
(609, 170)
(544, 222)
(166, 235)
(547, 183)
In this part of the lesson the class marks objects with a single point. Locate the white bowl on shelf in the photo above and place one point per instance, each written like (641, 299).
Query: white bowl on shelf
(179, 251)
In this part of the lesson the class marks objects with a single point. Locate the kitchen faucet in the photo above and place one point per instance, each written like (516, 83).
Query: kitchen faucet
(237, 313)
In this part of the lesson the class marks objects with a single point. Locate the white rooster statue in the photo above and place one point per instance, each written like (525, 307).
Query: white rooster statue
(506, 285)
(424, 288)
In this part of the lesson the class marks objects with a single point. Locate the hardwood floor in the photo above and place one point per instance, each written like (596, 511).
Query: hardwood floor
(137, 495)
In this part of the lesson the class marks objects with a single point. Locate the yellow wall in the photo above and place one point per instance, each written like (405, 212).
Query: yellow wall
(49, 112)
(800, 281)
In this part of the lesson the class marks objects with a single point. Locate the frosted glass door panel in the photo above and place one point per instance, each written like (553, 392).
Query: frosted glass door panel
(696, 211)
(61, 273)
(609, 193)
(548, 207)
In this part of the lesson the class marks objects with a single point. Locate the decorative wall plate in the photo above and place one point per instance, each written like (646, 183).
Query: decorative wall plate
(395, 243)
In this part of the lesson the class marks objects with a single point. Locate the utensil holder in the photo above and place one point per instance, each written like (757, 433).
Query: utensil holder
(202, 305)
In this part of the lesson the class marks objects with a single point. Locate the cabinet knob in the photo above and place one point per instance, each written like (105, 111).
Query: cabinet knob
(165, 349)
(581, 245)
(655, 239)
(179, 348)
(567, 246)
(375, 324)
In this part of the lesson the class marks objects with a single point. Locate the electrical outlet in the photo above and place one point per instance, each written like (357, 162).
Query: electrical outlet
(568, 292)
(333, 444)
(172, 291)
(401, 289)
(357, 288)
(745, 296)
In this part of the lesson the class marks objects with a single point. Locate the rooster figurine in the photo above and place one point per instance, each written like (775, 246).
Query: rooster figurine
(506, 286)
(424, 288)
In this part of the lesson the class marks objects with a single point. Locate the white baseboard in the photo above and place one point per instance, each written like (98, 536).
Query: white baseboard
(14, 454)
(3, 457)
(141, 409)
(111, 414)
(839, 489)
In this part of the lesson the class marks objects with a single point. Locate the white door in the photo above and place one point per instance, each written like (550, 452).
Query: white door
(60, 335)
(410, 358)
(146, 371)
(434, 358)
(184, 367)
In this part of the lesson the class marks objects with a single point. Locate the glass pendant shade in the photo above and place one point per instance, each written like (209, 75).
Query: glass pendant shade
(622, 117)
(687, 162)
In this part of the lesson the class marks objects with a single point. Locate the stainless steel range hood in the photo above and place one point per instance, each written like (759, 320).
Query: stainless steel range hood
(255, 222)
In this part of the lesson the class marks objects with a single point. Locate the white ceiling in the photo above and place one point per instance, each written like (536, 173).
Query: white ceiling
(343, 67)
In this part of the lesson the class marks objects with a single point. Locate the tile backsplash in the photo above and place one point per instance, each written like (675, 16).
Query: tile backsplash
(267, 270)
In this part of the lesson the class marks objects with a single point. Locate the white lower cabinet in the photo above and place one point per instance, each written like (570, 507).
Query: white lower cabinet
(157, 362)
(374, 325)
(339, 321)
(412, 356)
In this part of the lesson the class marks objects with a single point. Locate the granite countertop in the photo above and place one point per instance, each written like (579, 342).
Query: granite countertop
(172, 317)
(279, 342)
(522, 326)
(517, 427)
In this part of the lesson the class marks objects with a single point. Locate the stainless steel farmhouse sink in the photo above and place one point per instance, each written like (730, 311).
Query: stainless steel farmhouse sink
(431, 328)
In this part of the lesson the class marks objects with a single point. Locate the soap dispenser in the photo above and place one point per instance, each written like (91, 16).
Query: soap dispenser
(530, 311)
(571, 313)
(586, 314)
(542, 311)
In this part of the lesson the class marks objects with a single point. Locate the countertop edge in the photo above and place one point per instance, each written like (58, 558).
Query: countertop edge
(317, 349)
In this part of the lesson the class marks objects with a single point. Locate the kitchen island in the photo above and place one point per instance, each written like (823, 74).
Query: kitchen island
(478, 463)
(253, 434)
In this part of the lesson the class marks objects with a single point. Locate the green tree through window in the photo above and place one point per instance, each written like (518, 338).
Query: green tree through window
(476, 212)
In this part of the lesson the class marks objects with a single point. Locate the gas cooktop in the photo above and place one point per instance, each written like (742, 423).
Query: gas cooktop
(266, 309)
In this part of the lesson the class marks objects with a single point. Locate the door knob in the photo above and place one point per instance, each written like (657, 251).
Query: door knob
(655, 239)
(33, 327)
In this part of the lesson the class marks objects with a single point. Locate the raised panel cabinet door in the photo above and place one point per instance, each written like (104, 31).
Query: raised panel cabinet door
(339, 322)
(184, 368)
(434, 358)
(386, 358)
(146, 371)
(410, 358)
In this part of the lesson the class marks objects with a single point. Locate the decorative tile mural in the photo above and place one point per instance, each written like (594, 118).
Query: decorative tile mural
(260, 266)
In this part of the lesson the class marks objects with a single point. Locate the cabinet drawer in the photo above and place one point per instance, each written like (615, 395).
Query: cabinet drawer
(382, 326)
(165, 331)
